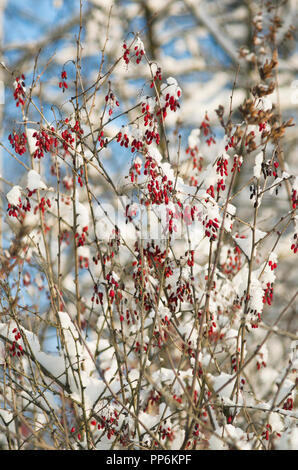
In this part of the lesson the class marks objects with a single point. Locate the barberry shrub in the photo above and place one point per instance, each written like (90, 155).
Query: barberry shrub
(143, 308)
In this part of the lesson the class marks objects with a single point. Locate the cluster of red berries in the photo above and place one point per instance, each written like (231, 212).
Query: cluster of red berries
(211, 228)
(210, 191)
(80, 177)
(171, 102)
(261, 364)
(222, 166)
(182, 293)
(156, 77)
(266, 434)
(126, 54)
(151, 135)
(147, 115)
(64, 237)
(159, 189)
(205, 126)
(233, 262)
(138, 52)
(135, 171)
(14, 211)
(81, 239)
(272, 265)
(294, 198)
(220, 186)
(230, 144)
(83, 262)
(123, 139)
(45, 142)
(190, 260)
(268, 293)
(111, 102)
(294, 246)
(16, 349)
(42, 205)
(113, 286)
(136, 145)
(154, 398)
(19, 92)
(196, 160)
(289, 403)
(68, 139)
(77, 129)
(166, 433)
(97, 295)
(237, 163)
(103, 142)
(130, 317)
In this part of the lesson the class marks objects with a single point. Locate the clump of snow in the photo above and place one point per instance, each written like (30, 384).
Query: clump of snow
(232, 438)
(288, 440)
(194, 138)
(287, 388)
(82, 215)
(220, 381)
(14, 195)
(245, 244)
(256, 295)
(170, 87)
(258, 164)
(34, 181)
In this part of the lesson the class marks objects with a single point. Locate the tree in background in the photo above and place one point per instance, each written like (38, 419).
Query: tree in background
(149, 240)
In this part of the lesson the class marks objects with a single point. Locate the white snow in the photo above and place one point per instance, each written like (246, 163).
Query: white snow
(258, 164)
(34, 181)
